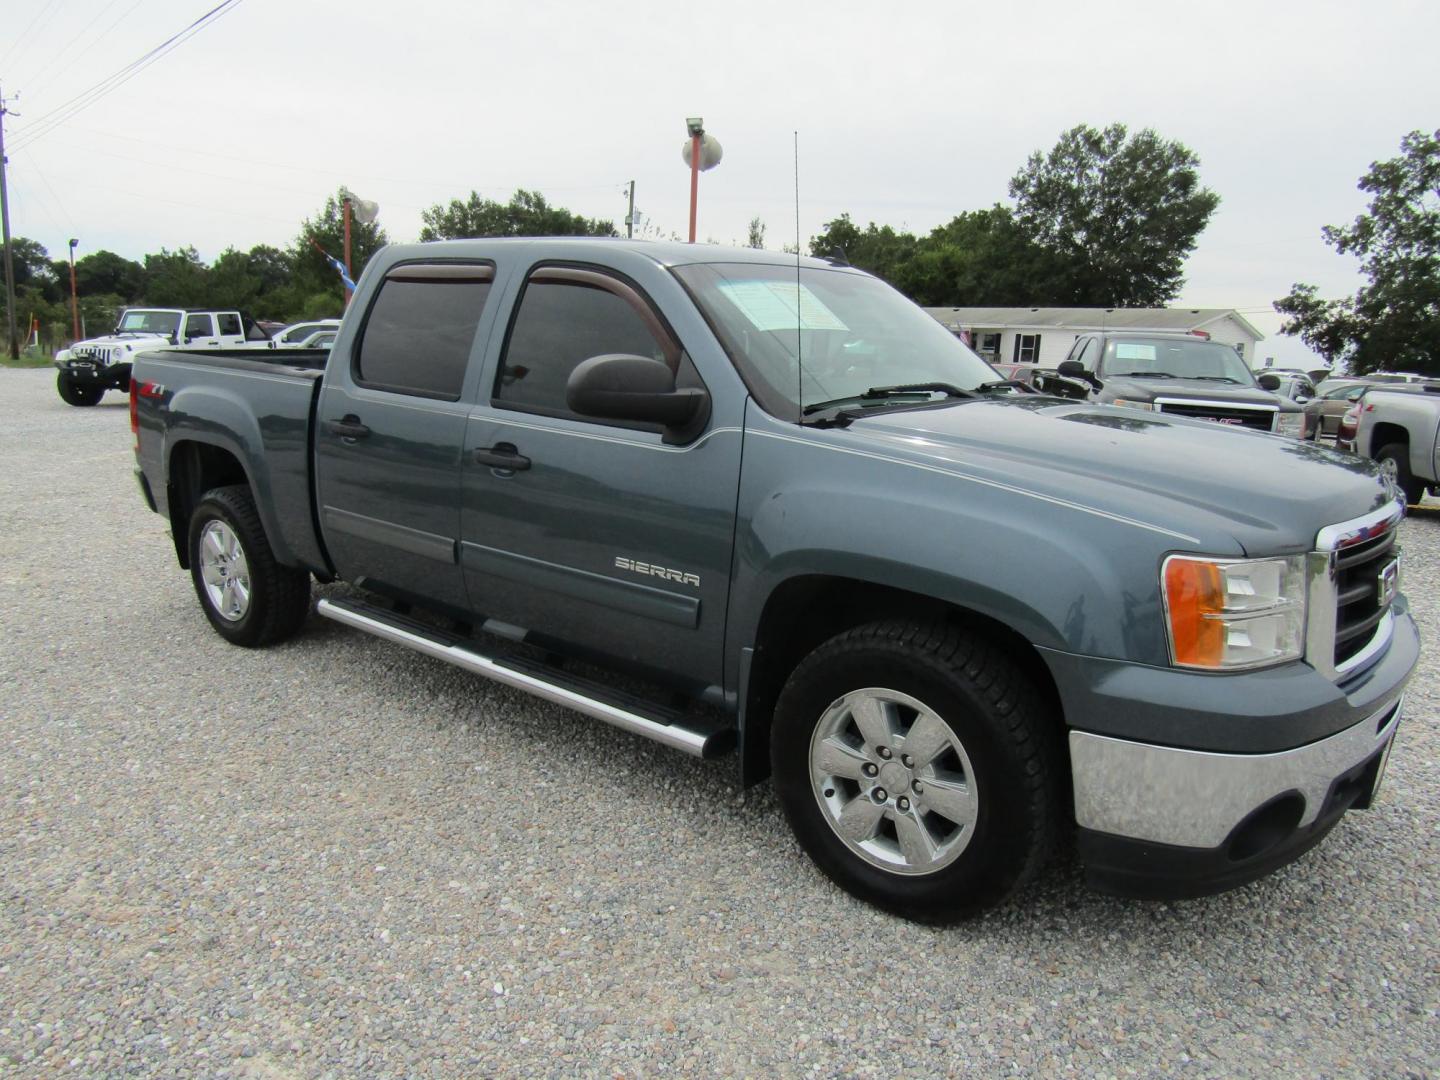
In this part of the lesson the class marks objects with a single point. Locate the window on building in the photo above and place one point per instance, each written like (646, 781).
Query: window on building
(567, 316)
(1027, 348)
(989, 344)
(420, 327)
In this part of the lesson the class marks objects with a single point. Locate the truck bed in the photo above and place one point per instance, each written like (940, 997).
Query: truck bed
(257, 404)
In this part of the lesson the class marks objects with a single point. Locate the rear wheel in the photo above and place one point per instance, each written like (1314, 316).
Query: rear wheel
(74, 392)
(1394, 461)
(917, 767)
(249, 598)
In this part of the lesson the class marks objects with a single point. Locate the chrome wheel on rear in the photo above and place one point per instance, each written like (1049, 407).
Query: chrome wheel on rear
(224, 571)
(893, 781)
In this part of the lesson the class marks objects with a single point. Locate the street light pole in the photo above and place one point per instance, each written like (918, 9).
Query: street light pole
(348, 271)
(74, 292)
(696, 132)
(630, 217)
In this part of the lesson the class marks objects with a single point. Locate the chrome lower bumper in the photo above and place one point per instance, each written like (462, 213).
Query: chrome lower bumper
(1195, 799)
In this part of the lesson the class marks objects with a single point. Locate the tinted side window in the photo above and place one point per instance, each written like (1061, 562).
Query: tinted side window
(559, 324)
(1090, 357)
(229, 323)
(197, 325)
(418, 334)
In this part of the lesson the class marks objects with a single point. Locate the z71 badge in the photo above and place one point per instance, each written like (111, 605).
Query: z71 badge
(661, 572)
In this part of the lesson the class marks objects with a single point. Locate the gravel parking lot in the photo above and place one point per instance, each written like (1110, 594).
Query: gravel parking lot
(336, 858)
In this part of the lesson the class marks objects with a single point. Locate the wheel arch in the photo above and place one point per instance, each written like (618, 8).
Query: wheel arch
(1386, 433)
(193, 467)
(806, 610)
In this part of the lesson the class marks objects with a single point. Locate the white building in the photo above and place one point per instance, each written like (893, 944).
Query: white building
(1044, 335)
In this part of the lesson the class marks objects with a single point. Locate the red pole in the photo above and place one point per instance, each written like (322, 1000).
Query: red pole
(694, 180)
(349, 272)
(74, 296)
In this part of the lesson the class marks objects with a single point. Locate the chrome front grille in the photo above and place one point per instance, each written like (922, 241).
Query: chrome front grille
(1230, 413)
(1353, 575)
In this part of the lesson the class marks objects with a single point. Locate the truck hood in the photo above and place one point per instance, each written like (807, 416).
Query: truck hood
(135, 341)
(1221, 487)
(1150, 389)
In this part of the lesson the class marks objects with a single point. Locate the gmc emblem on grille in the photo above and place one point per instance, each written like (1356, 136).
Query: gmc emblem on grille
(1389, 582)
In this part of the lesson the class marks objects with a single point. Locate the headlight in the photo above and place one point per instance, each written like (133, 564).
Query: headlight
(1290, 423)
(1236, 613)
(1127, 403)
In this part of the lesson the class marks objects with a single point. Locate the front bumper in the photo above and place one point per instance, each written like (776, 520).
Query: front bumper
(84, 370)
(1158, 822)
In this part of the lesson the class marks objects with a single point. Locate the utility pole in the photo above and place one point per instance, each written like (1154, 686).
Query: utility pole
(5, 226)
(630, 217)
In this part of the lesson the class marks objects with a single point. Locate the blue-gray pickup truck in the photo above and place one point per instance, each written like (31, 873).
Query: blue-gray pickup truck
(732, 500)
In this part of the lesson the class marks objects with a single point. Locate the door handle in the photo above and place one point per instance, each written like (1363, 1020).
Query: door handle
(502, 456)
(349, 428)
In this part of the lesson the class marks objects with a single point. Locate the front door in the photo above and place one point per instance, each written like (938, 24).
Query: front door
(391, 430)
(598, 535)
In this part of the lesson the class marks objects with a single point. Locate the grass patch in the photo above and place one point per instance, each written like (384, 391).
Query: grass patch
(29, 358)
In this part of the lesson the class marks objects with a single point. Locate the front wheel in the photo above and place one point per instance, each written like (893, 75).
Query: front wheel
(918, 768)
(249, 598)
(1394, 461)
(74, 392)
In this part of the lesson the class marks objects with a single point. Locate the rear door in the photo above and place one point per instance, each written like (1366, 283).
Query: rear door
(595, 533)
(391, 429)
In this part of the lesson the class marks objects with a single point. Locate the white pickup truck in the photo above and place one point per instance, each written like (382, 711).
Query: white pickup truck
(1399, 427)
(88, 368)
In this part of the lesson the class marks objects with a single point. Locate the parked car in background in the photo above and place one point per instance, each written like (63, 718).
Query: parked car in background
(89, 368)
(1295, 385)
(1181, 375)
(1324, 411)
(295, 335)
(1399, 427)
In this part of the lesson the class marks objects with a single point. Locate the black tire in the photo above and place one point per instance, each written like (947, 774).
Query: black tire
(73, 392)
(1398, 455)
(278, 599)
(993, 710)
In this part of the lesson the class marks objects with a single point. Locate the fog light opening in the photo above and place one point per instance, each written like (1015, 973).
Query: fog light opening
(1266, 827)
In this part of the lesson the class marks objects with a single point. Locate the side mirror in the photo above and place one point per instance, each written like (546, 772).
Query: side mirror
(1269, 382)
(620, 386)
(1072, 369)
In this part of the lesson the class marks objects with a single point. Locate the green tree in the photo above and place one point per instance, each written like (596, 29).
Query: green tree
(756, 238)
(1392, 321)
(526, 214)
(880, 249)
(176, 278)
(1116, 213)
(103, 273)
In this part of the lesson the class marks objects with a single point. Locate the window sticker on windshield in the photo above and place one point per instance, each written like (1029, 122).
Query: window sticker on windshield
(771, 305)
(1134, 352)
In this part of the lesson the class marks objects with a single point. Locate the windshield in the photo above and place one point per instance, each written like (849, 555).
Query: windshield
(139, 321)
(1180, 358)
(851, 333)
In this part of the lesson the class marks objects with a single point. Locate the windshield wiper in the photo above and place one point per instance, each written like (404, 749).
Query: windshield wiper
(1144, 375)
(1008, 384)
(881, 393)
(1218, 378)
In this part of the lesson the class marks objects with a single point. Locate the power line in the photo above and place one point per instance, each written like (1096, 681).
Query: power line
(58, 115)
(57, 65)
(23, 33)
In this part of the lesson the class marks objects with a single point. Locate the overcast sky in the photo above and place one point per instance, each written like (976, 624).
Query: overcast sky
(907, 113)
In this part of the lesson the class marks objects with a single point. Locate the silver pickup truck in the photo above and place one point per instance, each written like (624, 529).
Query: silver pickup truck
(726, 501)
(1399, 427)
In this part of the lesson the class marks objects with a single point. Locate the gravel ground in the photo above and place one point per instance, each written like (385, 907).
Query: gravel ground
(335, 858)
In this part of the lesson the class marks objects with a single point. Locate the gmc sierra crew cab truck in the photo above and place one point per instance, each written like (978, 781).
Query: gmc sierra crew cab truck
(728, 499)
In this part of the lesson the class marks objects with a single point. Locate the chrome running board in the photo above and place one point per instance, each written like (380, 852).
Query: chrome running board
(624, 711)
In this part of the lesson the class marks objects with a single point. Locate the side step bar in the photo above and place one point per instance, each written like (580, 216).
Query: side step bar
(614, 707)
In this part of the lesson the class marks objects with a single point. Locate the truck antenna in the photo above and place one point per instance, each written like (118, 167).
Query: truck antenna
(799, 368)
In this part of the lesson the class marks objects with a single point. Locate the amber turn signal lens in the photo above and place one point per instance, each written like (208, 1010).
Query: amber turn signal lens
(1194, 591)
